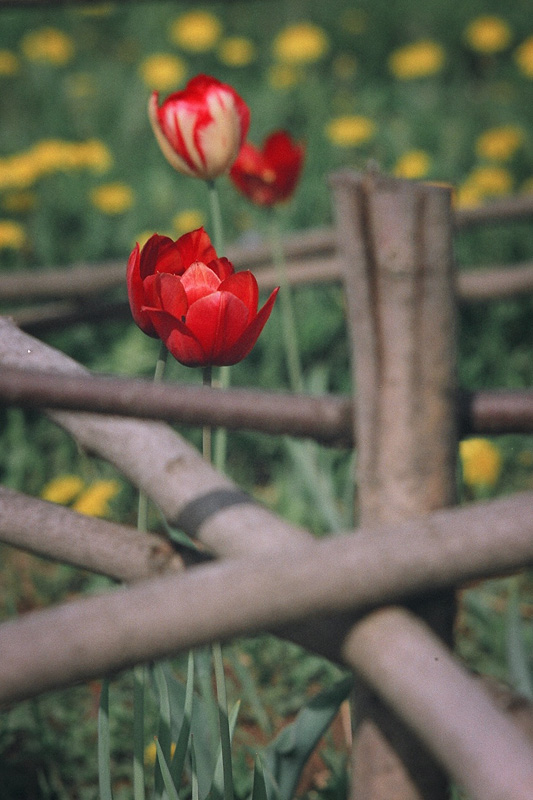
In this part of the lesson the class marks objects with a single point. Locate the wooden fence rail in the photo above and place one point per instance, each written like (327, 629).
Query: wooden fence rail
(325, 418)
(74, 294)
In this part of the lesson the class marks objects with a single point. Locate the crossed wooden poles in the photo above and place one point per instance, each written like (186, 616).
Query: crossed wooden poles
(422, 714)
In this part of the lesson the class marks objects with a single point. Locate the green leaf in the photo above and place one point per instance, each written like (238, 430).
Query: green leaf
(218, 778)
(178, 761)
(165, 773)
(259, 790)
(205, 745)
(516, 651)
(163, 737)
(285, 758)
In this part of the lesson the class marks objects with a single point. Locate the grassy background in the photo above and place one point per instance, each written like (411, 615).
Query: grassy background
(91, 87)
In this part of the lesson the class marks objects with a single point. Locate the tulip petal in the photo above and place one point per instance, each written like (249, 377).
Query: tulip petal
(179, 160)
(199, 281)
(195, 246)
(165, 292)
(136, 294)
(221, 266)
(250, 335)
(160, 254)
(218, 321)
(244, 286)
(178, 339)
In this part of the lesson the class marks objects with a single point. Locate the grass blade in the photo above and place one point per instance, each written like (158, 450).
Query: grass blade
(165, 773)
(259, 790)
(286, 756)
(178, 761)
(163, 737)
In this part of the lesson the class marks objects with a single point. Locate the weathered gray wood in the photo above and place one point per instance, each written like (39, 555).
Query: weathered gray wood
(237, 531)
(325, 418)
(491, 760)
(335, 575)
(396, 238)
(49, 530)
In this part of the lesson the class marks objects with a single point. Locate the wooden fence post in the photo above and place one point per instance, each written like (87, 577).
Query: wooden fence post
(395, 236)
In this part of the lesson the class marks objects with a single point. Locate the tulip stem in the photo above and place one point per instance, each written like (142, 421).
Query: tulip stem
(216, 217)
(216, 649)
(288, 322)
(221, 434)
(138, 674)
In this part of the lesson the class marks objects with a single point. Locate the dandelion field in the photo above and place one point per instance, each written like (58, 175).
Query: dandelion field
(441, 93)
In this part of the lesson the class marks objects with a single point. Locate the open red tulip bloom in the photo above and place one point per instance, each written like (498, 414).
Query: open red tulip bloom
(204, 312)
(270, 175)
(201, 128)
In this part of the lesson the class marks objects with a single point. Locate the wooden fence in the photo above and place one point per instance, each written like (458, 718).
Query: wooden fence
(379, 599)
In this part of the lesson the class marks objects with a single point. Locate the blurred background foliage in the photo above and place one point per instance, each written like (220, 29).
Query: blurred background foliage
(434, 91)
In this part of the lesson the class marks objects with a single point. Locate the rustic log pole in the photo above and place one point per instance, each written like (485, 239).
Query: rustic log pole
(325, 418)
(396, 240)
(117, 551)
(330, 576)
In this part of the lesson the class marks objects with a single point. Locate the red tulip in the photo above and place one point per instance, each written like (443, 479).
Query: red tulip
(270, 175)
(201, 128)
(204, 312)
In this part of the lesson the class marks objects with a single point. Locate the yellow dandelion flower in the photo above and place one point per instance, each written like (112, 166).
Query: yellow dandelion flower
(163, 71)
(12, 236)
(17, 172)
(9, 63)
(236, 51)
(350, 130)
(523, 56)
(283, 76)
(19, 202)
(467, 195)
(112, 198)
(491, 181)
(302, 43)
(499, 144)
(414, 164)
(417, 60)
(188, 220)
(49, 45)
(481, 462)
(50, 155)
(95, 155)
(63, 489)
(94, 501)
(196, 31)
(487, 34)
(150, 753)
(344, 66)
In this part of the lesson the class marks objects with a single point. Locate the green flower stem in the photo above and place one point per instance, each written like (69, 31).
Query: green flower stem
(216, 650)
(290, 338)
(142, 513)
(216, 217)
(221, 434)
(139, 672)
